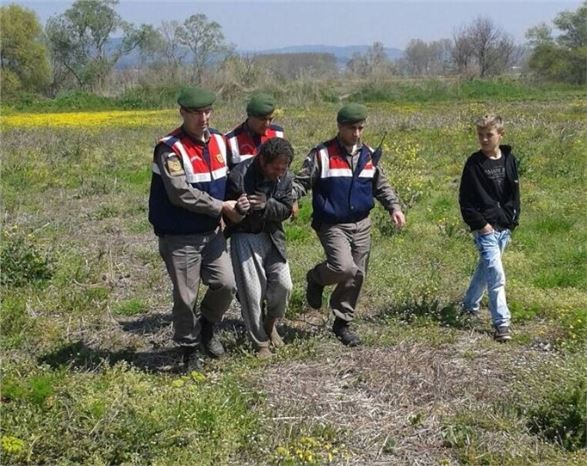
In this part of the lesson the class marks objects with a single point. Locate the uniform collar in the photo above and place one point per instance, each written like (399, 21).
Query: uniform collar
(357, 148)
(195, 140)
(250, 132)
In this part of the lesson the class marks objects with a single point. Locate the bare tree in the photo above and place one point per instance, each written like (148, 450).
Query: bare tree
(462, 51)
(373, 62)
(443, 56)
(238, 74)
(358, 64)
(417, 57)
(427, 58)
(484, 46)
(492, 48)
(377, 58)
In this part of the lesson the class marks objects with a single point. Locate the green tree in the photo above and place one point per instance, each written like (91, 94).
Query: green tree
(170, 50)
(23, 55)
(563, 58)
(205, 40)
(150, 45)
(81, 45)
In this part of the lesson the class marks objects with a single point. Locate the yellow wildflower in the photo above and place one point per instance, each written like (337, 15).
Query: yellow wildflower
(117, 118)
(12, 445)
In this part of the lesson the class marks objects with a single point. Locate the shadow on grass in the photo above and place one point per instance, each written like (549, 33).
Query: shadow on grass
(147, 324)
(430, 312)
(234, 336)
(78, 355)
(153, 323)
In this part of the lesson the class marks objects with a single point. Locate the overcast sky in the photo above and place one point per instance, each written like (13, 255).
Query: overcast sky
(264, 24)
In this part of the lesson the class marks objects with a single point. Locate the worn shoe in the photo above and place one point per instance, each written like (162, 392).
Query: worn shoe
(209, 339)
(263, 352)
(313, 292)
(502, 334)
(271, 331)
(343, 333)
(191, 358)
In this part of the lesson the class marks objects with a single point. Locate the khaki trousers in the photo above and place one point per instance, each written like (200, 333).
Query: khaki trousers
(347, 247)
(189, 259)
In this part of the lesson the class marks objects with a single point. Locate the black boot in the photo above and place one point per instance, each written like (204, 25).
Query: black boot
(344, 334)
(209, 340)
(191, 358)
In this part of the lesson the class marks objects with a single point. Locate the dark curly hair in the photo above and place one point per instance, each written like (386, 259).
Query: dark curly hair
(275, 148)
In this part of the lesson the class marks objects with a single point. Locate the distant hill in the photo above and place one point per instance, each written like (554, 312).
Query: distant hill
(342, 53)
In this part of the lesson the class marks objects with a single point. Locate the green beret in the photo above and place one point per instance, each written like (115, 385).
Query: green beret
(195, 97)
(260, 105)
(352, 113)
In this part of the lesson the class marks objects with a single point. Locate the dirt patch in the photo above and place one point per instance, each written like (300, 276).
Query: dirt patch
(388, 401)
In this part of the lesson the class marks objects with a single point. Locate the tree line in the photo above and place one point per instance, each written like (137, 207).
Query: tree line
(81, 48)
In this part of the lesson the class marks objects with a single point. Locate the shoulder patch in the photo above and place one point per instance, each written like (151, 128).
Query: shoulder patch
(174, 166)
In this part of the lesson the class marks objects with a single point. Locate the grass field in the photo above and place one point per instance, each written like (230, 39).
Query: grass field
(88, 367)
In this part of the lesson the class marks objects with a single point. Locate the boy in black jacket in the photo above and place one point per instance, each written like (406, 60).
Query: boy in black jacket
(489, 198)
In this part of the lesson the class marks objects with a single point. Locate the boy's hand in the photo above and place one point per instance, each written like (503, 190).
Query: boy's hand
(398, 218)
(486, 230)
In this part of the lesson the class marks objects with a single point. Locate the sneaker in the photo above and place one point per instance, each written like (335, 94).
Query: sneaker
(191, 358)
(313, 292)
(209, 339)
(343, 333)
(502, 334)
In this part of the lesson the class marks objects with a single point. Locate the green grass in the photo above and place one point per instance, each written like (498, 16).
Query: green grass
(545, 402)
(88, 367)
(131, 307)
(122, 415)
(138, 98)
(434, 90)
(303, 92)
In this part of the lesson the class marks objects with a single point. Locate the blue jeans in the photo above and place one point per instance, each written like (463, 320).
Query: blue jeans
(490, 274)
